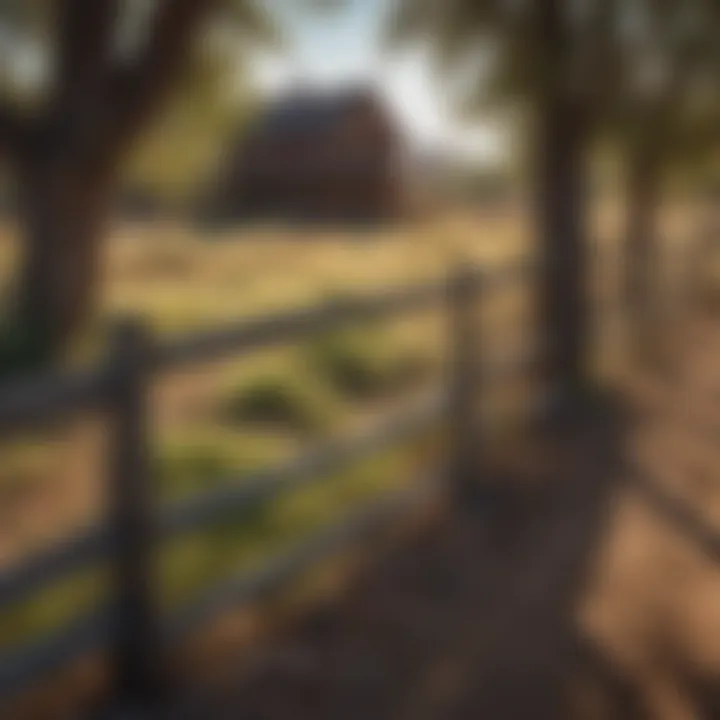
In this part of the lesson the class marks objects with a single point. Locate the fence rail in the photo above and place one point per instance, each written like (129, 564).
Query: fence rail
(279, 329)
(32, 403)
(130, 625)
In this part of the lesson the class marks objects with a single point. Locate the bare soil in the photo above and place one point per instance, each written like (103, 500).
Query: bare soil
(580, 579)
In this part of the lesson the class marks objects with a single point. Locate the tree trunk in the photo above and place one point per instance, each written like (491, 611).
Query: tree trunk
(642, 251)
(561, 147)
(63, 211)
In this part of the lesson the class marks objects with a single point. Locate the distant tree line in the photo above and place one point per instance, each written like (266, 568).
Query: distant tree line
(637, 76)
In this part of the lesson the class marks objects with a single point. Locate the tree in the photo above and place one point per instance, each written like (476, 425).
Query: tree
(178, 154)
(553, 59)
(664, 117)
(85, 78)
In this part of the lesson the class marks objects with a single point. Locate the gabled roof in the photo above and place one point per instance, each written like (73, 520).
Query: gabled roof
(308, 111)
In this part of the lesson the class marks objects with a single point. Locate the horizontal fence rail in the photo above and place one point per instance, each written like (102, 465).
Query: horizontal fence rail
(28, 404)
(33, 402)
(119, 387)
(280, 329)
(69, 556)
(89, 633)
(248, 588)
(233, 498)
(41, 657)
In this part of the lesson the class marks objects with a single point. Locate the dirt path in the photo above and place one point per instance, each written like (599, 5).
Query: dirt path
(570, 588)
(477, 619)
(653, 602)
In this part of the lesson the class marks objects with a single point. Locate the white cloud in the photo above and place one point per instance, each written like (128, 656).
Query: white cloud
(346, 50)
(427, 113)
(423, 111)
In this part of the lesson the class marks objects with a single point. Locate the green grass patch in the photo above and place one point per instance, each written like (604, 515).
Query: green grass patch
(286, 399)
(193, 563)
(197, 458)
(190, 462)
(367, 363)
(57, 605)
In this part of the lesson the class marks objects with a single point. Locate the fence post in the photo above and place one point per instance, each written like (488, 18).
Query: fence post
(464, 293)
(136, 656)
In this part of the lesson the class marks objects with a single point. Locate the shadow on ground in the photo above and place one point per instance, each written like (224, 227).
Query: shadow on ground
(491, 614)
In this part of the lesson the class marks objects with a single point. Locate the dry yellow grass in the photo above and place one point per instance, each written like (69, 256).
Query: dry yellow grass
(180, 280)
(180, 277)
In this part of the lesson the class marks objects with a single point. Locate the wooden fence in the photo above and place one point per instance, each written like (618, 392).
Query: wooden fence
(130, 626)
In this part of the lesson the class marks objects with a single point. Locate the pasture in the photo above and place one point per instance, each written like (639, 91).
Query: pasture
(220, 422)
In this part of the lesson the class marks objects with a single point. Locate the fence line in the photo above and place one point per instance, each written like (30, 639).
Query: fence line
(28, 404)
(248, 588)
(119, 386)
(264, 332)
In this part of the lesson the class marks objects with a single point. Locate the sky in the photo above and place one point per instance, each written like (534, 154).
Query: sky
(345, 47)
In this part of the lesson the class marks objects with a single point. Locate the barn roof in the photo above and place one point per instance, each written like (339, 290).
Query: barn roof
(305, 111)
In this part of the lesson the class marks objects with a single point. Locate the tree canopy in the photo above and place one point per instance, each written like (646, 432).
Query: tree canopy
(211, 91)
(81, 81)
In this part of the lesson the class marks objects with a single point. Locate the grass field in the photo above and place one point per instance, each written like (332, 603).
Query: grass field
(228, 418)
(231, 417)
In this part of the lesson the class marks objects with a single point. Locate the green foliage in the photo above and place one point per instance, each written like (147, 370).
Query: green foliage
(352, 363)
(198, 457)
(177, 155)
(289, 400)
(212, 98)
(54, 607)
(493, 57)
(193, 563)
(644, 71)
(366, 364)
(22, 351)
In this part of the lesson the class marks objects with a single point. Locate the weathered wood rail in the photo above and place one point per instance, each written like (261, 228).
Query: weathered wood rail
(129, 626)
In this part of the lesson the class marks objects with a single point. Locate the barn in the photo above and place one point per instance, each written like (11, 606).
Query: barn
(315, 156)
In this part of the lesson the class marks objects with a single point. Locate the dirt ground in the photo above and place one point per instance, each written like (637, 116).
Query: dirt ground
(580, 580)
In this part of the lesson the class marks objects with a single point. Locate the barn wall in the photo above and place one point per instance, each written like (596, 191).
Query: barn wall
(346, 172)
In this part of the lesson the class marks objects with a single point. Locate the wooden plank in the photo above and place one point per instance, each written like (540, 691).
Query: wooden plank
(135, 622)
(234, 498)
(36, 401)
(39, 401)
(32, 662)
(137, 666)
(72, 555)
(92, 546)
(282, 328)
(253, 587)
(465, 293)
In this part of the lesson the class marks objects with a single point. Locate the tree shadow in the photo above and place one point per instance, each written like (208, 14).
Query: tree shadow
(478, 618)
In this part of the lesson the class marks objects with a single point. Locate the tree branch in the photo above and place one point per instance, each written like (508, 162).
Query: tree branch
(85, 33)
(138, 91)
(14, 131)
(85, 30)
